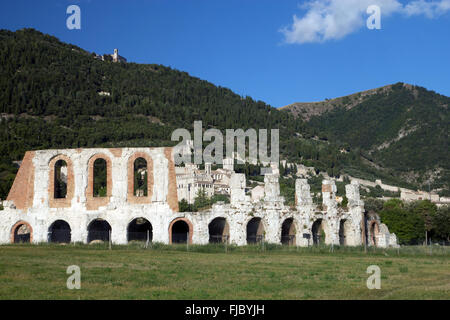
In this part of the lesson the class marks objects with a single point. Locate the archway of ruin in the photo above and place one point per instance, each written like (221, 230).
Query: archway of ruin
(255, 231)
(373, 233)
(21, 233)
(180, 231)
(318, 231)
(288, 232)
(98, 230)
(59, 232)
(344, 232)
(140, 229)
(219, 231)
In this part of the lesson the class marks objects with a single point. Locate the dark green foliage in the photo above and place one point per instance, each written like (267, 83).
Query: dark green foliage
(183, 206)
(287, 190)
(441, 224)
(406, 224)
(344, 202)
(202, 202)
(372, 204)
(410, 221)
(420, 115)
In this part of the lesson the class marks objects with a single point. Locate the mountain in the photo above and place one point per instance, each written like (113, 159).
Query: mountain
(57, 95)
(399, 127)
(306, 110)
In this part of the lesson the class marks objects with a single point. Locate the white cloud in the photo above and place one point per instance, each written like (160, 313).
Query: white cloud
(430, 9)
(334, 19)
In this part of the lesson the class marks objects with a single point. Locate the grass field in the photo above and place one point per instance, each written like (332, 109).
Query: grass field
(207, 272)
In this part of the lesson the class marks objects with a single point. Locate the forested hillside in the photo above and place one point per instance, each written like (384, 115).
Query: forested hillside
(56, 95)
(399, 127)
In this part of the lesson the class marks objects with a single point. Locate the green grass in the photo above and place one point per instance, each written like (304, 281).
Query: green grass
(207, 272)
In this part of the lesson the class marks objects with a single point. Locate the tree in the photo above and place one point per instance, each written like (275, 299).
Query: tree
(441, 223)
(202, 200)
(426, 210)
(183, 205)
(408, 225)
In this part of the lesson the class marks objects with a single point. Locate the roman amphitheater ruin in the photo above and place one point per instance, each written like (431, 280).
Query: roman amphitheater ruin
(85, 195)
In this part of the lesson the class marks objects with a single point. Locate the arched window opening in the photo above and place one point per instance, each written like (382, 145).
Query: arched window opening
(140, 178)
(100, 178)
(60, 180)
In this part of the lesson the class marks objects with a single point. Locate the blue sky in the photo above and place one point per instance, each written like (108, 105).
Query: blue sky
(240, 44)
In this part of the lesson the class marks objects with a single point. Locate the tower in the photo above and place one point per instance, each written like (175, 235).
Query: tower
(116, 55)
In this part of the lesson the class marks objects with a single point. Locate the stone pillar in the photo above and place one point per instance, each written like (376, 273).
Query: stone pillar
(356, 211)
(271, 188)
(329, 194)
(330, 206)
(302, 193)
(237, 186)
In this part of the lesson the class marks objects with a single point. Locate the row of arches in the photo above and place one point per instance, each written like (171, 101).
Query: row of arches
(181, 230)
(61, 177)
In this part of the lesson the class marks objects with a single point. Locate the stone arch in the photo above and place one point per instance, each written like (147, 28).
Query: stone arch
(139, 229)
(255, 230)
(318, 231)
(131, 196)
(180, 231)
(288, 232)
(59, 232)
(56, 182)
(21, 232)
(344, 232)
(374, 230)
(92, 202)
(98, 229)
(219, 230)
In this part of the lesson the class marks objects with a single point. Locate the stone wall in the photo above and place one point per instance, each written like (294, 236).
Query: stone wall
(31, 203)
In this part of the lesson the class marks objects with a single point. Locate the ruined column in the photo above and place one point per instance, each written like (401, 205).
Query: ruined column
(330, 206)
(305, 207)
(237, 186)
(356, 211)
(272, 188)
(302, 193)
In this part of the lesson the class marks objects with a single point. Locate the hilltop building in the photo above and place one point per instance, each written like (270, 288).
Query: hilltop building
(115, 57)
